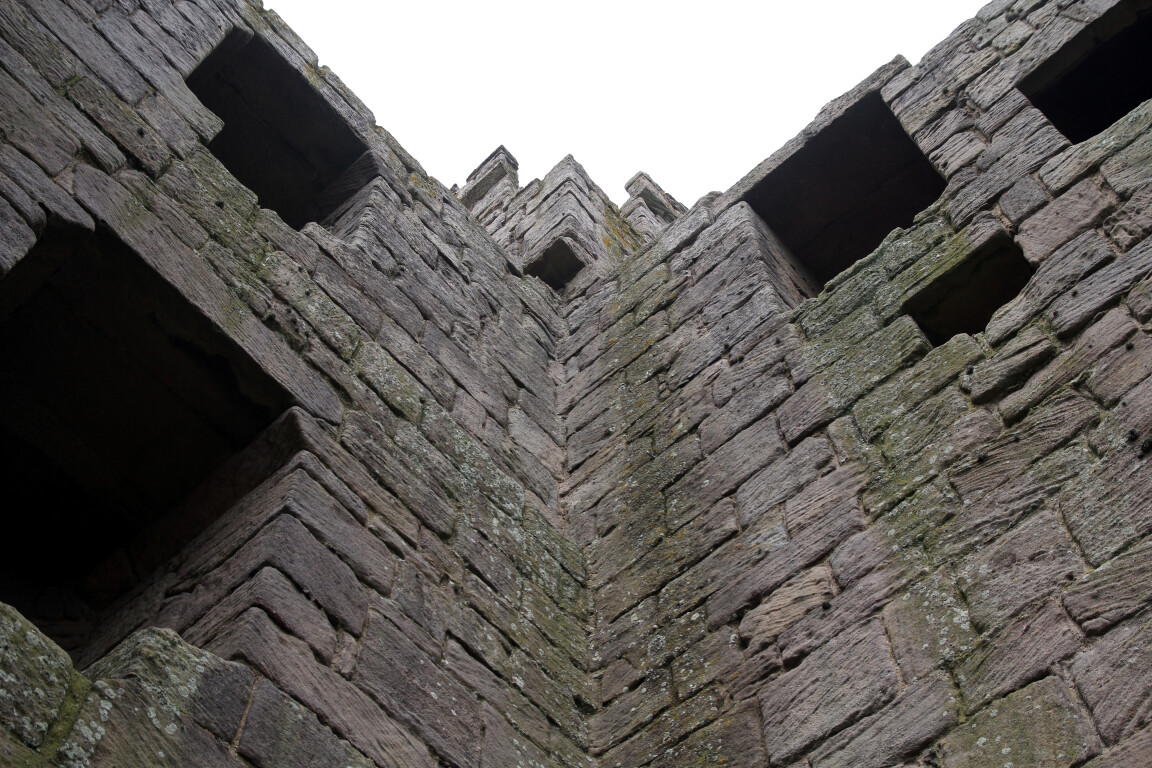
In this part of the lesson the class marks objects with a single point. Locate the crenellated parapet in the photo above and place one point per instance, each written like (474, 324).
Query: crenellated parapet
(649, 208)
(553, 228)
(308, 460)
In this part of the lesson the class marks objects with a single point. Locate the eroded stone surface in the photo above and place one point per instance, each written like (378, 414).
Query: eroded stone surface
(1042, 724)
(36, 678)
(677, 503)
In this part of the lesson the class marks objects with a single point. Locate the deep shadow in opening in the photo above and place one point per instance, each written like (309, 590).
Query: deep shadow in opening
(280, 139)
(834, 200)
(557, 265)
(964, 299)
(119, 400)
(1097, 77)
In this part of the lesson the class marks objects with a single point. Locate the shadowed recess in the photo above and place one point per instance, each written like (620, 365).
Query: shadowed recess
(838, 197)
(280, 139)
(556, 266)
(1097, 77)
(120, 399)
(964, 299)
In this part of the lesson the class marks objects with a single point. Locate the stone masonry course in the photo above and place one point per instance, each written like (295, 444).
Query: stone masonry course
(310, 461)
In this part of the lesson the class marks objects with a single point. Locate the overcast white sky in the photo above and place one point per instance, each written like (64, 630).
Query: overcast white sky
(696, 94)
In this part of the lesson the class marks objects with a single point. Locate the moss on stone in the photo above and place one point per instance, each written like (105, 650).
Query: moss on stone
(1042, 724)
(35, 678)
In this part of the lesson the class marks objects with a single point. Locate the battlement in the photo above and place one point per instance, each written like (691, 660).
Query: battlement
(313, 461)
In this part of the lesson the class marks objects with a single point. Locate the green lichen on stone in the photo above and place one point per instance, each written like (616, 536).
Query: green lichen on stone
(471, 459)
(14, 754)
(891, 400)
(166, 667)
(818, 317)
(621, 239)
(78, 690)
(1040, 725)
(922, 273)
(866, 282)
(35, 678)
(292, 283)
(156, 701)
(932, 619)
(388, 379)
(929, 230)
(914, 525)
(874, 359)
(829, 348)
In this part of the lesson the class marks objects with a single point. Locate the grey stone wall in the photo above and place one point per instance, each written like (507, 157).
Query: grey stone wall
(690, 506)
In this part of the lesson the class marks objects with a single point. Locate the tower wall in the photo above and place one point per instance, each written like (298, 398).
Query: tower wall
(830, 469)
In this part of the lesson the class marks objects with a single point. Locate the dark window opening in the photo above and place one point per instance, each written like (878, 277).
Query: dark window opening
(964, 299)
(557, 265)
(838, 197)
(1097, 77)
(119, 400)
(280, 139)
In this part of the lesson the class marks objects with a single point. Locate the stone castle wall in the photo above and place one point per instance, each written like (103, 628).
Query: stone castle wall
(846, 466)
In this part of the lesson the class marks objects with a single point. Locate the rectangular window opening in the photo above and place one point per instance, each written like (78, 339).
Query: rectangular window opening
(964, 299)
(836, 199)
(119, 400)
(557, 265)
(1097, 77)
(280, 139)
